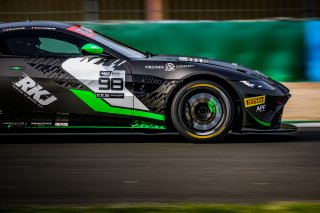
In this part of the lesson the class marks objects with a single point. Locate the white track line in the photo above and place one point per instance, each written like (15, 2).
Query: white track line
(306, 124)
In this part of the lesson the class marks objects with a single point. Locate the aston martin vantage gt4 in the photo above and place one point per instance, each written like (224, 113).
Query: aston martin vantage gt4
(58, 76)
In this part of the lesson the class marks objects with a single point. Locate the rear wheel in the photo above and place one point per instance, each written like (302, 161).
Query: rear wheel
(202, 111)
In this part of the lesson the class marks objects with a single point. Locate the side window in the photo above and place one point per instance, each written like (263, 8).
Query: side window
(41, 43)
(57, 46)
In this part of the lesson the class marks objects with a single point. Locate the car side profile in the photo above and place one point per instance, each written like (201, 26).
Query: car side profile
(61, 77)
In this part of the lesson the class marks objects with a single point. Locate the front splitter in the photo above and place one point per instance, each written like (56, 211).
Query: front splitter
(284, 128)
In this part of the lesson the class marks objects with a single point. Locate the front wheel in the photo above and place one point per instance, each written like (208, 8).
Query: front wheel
(202, 111)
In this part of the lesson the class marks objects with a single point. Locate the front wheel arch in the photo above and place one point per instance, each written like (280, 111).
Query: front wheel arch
(232, 92)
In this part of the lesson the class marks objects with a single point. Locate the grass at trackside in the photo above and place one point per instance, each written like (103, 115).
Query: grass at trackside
(300, 121)
(180, 208)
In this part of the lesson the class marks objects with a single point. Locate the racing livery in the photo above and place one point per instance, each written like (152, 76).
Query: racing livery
(57, 76)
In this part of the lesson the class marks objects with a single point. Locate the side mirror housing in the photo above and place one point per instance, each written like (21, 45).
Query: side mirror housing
(91, 49)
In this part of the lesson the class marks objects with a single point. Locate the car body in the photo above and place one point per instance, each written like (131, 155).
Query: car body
(50, 82)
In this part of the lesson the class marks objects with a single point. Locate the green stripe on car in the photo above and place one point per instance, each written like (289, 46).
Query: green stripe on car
(99, 105)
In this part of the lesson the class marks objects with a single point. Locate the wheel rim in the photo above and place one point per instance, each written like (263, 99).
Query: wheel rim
(202, 111)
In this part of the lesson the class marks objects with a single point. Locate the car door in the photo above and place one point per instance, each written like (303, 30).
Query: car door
(48, 83)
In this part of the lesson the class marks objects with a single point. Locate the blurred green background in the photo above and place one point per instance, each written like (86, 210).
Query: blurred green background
(275, 48)
(277, 37)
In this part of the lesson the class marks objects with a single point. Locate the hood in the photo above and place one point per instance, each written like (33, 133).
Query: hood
(209, 61)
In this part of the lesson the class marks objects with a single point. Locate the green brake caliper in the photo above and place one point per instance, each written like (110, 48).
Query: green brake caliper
(212, 106)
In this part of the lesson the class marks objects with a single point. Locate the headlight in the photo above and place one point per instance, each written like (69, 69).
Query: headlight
(258, 84)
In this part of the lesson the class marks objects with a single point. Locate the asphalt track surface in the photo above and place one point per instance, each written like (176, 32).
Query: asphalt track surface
(251, 168)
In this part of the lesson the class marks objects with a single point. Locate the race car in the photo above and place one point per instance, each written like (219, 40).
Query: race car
(63, 77)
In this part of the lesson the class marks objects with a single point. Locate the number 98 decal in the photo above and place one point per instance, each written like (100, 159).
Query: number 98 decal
(110, 84)
(107, 83)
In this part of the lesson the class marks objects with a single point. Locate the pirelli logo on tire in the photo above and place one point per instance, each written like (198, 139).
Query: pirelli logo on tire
(254, 101)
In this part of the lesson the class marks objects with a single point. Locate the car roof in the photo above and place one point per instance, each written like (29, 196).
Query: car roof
(55, 24)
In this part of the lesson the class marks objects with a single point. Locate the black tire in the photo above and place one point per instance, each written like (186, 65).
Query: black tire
(202, 111)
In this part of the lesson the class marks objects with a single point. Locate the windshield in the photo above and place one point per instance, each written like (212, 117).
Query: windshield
(108, 42)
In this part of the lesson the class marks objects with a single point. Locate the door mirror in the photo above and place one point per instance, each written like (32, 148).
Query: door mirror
(91, 49)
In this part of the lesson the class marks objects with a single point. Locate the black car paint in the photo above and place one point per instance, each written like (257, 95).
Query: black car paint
(153, 86)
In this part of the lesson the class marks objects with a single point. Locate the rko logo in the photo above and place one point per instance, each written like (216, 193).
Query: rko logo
(34, 91)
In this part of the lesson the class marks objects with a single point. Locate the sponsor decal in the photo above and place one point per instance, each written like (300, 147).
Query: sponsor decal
(43, 28)
(197, 60)
(13, 29)
(61, 124)
(169, 67)
(254, 101)
(82, 31)
(109, 95)
(261, 108)
(33, 91)
(16, 124)
(105, 73)
(154, 67)
(184, 66)
(116, 73)
(41, 123)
